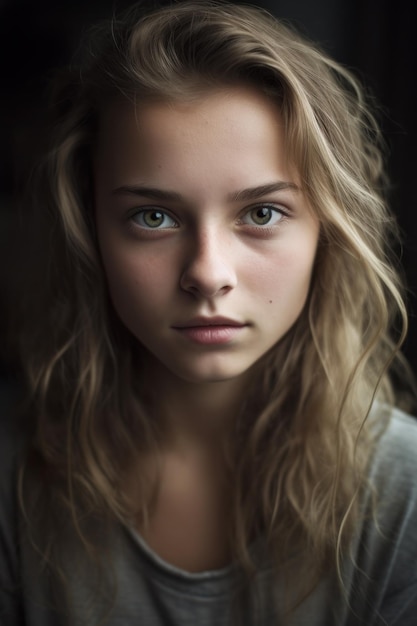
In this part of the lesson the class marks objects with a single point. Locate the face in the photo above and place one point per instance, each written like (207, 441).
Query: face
(206, 237)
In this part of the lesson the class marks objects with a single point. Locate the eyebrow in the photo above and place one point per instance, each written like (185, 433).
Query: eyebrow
(252, 193)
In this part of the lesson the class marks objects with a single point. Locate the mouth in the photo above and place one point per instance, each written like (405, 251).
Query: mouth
(204, 322)
(211, 330)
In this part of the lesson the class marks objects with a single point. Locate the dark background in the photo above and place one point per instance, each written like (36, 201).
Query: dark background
(375, 38)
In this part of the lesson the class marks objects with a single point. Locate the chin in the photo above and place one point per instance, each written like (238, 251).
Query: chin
(201, 375)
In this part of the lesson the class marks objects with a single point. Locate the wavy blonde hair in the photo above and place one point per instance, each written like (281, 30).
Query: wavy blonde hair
(302, 438)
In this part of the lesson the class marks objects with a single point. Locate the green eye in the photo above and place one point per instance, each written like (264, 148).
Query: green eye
(153, 219)
(263, 216)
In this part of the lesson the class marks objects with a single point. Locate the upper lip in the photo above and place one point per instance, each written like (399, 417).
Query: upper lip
(209, 321)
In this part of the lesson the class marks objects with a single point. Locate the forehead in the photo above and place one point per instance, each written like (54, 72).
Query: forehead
(229, 133)
(233, 106)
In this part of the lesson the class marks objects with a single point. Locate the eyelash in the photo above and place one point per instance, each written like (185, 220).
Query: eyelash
(272, 208)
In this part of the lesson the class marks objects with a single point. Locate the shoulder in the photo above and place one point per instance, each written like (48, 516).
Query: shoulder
(393, 470)
(389, 540)
(395, 460)
(383, 578)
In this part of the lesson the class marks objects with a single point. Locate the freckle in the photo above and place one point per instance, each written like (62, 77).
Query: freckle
(270, 302)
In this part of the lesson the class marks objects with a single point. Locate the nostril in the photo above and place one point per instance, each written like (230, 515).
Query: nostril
(206, 285)
(208, 270)
(205, 291)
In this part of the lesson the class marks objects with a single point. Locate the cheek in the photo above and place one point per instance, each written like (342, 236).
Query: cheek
(282, 280)
(137, 282)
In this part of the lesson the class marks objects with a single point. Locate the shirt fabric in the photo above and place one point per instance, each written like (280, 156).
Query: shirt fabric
(380, 575)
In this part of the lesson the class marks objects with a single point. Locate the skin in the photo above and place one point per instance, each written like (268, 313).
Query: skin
(208, 249)
(208, 257)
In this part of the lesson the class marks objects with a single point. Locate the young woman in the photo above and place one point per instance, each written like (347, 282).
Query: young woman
(208, 434)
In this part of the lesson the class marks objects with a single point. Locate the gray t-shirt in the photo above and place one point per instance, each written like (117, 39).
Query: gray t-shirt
(380, 576)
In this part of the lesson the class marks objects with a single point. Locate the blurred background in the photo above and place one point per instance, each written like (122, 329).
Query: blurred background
(374, 38)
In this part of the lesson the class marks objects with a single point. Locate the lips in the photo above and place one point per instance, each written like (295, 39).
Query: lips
(198, 322)
(211, 330)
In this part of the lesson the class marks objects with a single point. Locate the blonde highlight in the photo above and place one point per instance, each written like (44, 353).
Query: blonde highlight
(303, 440)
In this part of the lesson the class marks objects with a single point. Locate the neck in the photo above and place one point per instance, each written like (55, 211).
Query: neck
(202, 414)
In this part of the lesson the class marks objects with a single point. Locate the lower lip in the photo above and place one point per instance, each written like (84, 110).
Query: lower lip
(211, 335)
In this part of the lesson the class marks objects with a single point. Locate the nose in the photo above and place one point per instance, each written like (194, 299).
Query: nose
(209, 269)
